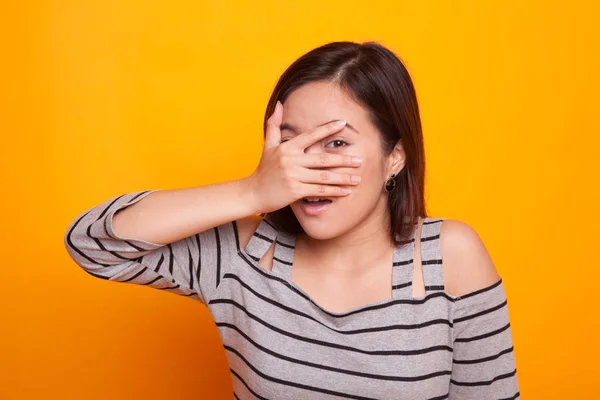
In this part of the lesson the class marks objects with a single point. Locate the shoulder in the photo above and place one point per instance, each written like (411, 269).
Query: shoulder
(467, 264)
(246, 227)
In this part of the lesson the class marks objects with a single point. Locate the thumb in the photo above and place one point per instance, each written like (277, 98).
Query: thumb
(273, 133)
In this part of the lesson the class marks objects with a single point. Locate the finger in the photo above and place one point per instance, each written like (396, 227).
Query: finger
(327, 160)
(325, 190)
(306, 139)
(329, 177)
(273, 133)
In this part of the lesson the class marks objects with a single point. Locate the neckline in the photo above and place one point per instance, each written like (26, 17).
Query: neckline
(283, 260)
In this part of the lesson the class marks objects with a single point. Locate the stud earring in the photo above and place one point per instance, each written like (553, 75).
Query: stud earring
(390, 183)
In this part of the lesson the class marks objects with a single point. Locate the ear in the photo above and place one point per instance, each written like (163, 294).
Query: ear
(397, 159)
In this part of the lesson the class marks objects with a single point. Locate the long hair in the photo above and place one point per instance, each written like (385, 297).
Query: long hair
(376, 79)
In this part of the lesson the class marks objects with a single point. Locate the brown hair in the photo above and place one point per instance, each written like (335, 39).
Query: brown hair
(375, 78)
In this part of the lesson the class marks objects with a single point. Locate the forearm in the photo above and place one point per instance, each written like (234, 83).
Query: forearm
(166, 216)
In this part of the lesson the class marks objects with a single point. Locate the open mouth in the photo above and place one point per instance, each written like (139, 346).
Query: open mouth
(316, 201)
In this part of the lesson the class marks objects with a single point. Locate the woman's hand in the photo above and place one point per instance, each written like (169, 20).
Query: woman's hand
(286, 174)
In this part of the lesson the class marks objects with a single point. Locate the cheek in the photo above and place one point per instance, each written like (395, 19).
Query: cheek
(370, 175)
(365, 195)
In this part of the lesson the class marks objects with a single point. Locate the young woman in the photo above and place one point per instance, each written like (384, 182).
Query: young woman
(322, 270)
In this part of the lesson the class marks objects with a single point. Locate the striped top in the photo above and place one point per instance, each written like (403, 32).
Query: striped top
(281, 344)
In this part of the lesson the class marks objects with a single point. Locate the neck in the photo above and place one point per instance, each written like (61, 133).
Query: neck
(354, 251)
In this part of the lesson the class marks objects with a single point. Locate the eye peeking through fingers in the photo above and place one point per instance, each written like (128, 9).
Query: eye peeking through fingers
(333, 144)
(337, 143)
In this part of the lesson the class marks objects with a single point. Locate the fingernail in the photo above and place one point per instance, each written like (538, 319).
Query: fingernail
(340, 123)
(346, 190)
(355, 178)
(357, 160)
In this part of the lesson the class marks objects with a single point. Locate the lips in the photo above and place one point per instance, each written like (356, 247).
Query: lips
(314, 208)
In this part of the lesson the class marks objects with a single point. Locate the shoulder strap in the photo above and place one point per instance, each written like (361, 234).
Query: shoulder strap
(260, 241)
(431, 255)
(402, 267)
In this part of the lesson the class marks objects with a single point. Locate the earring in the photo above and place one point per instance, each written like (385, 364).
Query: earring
(390, 183)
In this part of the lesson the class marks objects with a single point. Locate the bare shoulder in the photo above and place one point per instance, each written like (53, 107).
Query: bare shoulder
(246, 227)
(467, 264)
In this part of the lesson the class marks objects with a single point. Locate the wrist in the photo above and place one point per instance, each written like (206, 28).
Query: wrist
(248, 195)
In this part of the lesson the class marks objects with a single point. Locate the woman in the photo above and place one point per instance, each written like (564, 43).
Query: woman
(342, 287)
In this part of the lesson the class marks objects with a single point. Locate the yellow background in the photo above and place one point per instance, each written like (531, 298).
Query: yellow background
(105, 97)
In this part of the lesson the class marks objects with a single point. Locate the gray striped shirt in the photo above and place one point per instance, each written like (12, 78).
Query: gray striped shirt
(281, 344)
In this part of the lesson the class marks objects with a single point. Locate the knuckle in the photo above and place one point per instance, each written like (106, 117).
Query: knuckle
(324, 175)
(287, 177)
(280, 164)
(324, 158)
(322, 189)
(291, 177)
(284, 160)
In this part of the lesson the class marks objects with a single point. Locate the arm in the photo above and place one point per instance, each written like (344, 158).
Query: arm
(165, 239)
(483, 365)
(173, 240)
(167, 216)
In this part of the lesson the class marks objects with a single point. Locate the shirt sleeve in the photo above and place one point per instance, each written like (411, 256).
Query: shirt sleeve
(189, 267)
(483, 365)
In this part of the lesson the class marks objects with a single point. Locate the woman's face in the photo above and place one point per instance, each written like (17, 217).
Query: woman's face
(312, 105)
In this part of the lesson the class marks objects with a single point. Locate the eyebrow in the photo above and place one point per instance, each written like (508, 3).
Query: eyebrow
(292, 128)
